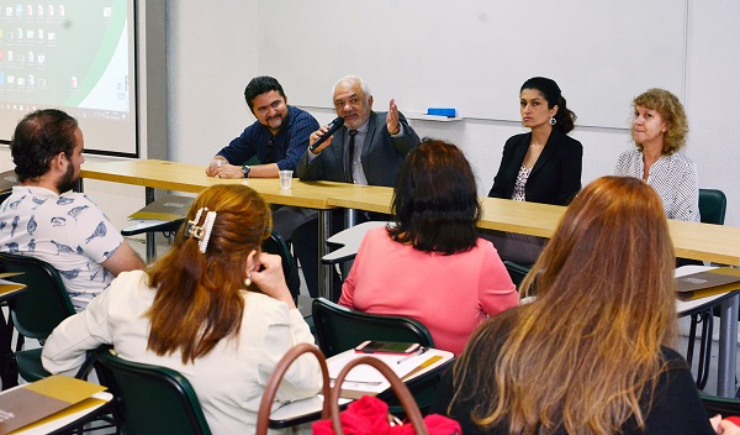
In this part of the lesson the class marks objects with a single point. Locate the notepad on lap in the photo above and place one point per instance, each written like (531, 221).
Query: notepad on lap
(29, 403)
(708, 283)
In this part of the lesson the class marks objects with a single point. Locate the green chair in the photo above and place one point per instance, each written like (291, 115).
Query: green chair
(517, 272)
(720, 405)
(150, 399)
(276, 245)
(36, 312)
(712, 207)
(339, 329)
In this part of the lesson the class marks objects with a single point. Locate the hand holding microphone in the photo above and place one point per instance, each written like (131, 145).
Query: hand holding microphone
(325, 133)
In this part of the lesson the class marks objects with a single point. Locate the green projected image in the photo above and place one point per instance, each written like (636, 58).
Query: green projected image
(76, 55)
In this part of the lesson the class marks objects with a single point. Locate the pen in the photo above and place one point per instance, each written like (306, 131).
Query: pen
(417, 353)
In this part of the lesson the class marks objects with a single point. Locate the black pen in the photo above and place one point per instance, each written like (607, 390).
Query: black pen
(417, 353)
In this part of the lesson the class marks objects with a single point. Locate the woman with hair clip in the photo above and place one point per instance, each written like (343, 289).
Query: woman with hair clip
(431, 265)
(591, 355)
(543, 165)
(214, 308)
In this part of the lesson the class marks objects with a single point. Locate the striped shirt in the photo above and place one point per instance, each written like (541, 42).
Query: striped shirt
(674, 177)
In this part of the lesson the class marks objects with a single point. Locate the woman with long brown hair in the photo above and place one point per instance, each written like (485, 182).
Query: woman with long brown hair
(591, 355)
(214, 308)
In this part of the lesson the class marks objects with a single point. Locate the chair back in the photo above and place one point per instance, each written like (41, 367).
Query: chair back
(339, 328)
(720, 405)
(277, 246)
(712, 206)
(45, 304)
(517, 272)
(150, 399)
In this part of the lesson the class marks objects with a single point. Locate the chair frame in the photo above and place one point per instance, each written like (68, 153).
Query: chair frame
(713, 213)
(109, 367)
(389, 324)
(46, 293)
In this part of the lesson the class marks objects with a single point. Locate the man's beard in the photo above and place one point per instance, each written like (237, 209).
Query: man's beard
(68, 180)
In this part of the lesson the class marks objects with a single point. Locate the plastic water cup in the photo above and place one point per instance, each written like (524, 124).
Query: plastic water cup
(286, 179)
(215, 163)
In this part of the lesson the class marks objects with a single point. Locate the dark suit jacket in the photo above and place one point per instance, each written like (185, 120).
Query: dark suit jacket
(555, 177)
(382, 155)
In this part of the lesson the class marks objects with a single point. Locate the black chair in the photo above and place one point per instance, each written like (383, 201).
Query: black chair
(150, 399)
(712, 207)
(276, 245)
(37, 311)
(339, 329)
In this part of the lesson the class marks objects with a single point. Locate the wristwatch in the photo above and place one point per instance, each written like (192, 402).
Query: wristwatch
(245, 170)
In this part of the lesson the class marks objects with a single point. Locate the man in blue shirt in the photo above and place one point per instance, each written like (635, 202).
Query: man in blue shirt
(278, 138)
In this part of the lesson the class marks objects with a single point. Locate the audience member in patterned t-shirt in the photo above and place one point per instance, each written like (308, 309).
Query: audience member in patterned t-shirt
(66, 230)
(659, 130)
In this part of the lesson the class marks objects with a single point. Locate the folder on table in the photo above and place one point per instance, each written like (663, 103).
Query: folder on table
(167, 208)
(708, 283)
(8, 179)
(30, 403)
(6, 286)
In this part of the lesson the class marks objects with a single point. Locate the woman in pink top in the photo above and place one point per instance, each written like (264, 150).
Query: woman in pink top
(432, 266)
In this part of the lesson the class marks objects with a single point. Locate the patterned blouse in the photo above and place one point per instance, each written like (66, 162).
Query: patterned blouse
(674, 177)
(519, 194)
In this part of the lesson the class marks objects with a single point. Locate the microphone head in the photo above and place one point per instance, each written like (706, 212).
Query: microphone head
(338, 122)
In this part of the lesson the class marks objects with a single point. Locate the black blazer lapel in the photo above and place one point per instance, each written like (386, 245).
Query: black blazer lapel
(520, 151)
(553, 142)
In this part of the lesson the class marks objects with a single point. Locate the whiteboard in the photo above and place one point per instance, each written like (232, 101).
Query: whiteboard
(474, 55)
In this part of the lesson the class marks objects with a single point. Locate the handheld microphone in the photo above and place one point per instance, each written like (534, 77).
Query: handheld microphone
(333, 127)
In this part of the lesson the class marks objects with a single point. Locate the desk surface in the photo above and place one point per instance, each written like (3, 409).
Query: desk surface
(706, 242)
(160, 174)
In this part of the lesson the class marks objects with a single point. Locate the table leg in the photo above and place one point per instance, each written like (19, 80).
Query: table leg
(726, 364)
(350, 220)
(151, 247)
(326, 289)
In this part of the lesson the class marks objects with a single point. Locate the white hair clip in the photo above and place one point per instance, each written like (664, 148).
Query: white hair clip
(202, 232)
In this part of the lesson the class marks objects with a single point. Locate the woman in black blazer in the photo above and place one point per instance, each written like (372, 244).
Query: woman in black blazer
(543, 165)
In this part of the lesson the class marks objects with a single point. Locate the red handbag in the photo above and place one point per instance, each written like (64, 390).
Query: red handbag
(368, 415)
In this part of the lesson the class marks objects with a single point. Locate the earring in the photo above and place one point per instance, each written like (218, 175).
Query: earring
(248, 281)
(553, 121)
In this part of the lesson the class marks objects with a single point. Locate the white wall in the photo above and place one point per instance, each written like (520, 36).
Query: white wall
(212, 54)
(207, 109)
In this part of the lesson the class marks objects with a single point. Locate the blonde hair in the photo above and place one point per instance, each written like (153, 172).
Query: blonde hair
(672, 112)
(588, 350)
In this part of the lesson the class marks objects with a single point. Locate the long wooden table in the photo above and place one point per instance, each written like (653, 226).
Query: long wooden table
(160, 174)
(704, 242)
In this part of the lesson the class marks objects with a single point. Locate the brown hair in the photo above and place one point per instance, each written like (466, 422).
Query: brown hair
(672, 112)
(588, 350)
(435, 202)
(198, 300)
